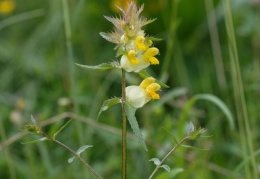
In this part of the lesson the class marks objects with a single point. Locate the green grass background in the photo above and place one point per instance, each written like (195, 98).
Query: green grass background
(34, 69)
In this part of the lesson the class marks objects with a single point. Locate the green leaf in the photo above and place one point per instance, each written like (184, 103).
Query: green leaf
(79, 151)
(166, 167)
(191, 147)
(173, 137)
(143, 74)
(197, 133)
(33, 120)
(100, 67)
(130, 112)
(108, 103)
(38, 140)
(54, 136)
(172, 94)
(150, 21)
(83, 148)
(156, 161)
(220, 104)
(152, 39)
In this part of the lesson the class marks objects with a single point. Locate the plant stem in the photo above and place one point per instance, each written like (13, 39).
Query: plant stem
(124, 155)
(74, 153)
(173, 149)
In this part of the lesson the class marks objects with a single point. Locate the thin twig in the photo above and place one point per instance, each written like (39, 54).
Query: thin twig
(173, 149)
(74, 153)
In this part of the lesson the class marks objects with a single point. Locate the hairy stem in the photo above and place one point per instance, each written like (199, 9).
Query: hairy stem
(74, 153)
(173, 149)
(123, 127)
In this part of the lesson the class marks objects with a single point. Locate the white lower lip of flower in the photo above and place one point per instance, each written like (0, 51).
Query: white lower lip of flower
(136, 96)
(127, 66)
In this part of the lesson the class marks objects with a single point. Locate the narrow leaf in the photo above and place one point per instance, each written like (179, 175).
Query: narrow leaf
(220, 104)
(152, 39)
(98, 68)
(130, 112)
(83, 148)
(156, 161)
(150, 21)
(108, 103)
(144, 74)
(70, 160)
(38, 140)
(191, 147)
(166, 167)
(54, 136)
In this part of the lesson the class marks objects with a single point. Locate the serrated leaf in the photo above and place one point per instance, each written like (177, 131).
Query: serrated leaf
(152, 39)
(166, 167)
(115, 21)
(173, 137)
(38, 140)
(113, 37)
(156, 161)
(99, 68)
(54, 136)
(130, 112)
(70, 160)
(191, 147)
(33, 120)
(108, 103)
(83, 148)
(143, 74)
(150, 21)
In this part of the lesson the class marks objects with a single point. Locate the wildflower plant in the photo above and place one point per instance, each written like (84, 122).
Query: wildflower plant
(136, 52)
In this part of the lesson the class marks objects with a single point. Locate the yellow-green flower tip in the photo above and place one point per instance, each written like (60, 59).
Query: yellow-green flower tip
(131, 57)
(149, 55)
(146, 82)
(151, 89)
(139, 43)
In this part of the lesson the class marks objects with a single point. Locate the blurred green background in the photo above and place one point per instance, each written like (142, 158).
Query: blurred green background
(194, 59)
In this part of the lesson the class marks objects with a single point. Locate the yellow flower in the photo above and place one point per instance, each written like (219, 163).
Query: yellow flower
(6, 6)
(138, 96)
(131, 57)
(139, 43)
(149, 56)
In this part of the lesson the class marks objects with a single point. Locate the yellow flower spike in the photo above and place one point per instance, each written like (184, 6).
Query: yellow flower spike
(149, 55)
(151, 89)
(131, 57)
(6, 6)
(139, 43)
(146, 82)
